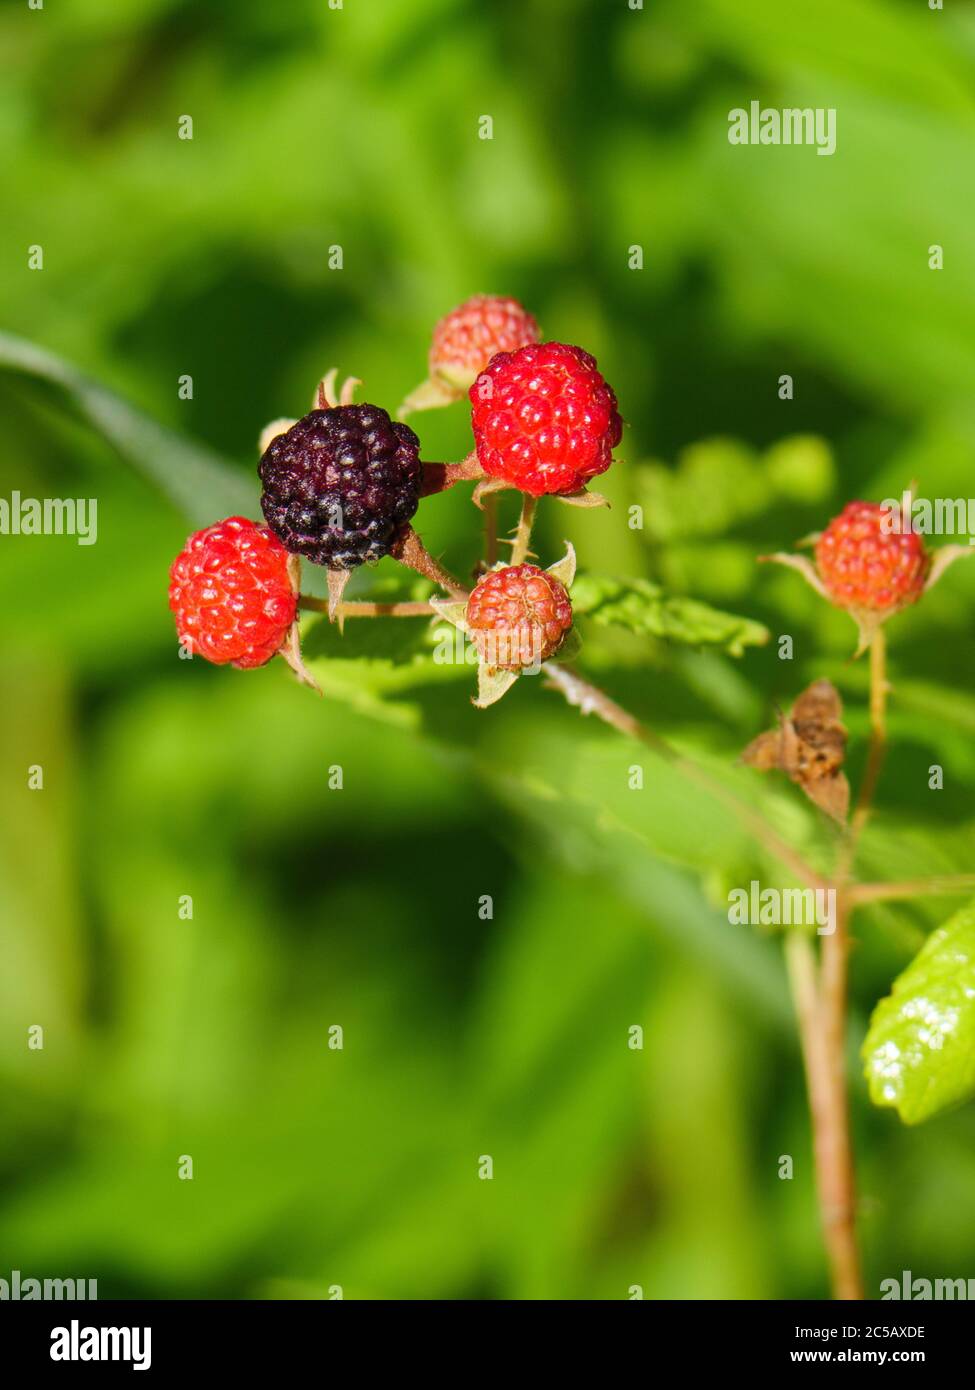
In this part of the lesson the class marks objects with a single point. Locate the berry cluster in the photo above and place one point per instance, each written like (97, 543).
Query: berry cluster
(341, 486)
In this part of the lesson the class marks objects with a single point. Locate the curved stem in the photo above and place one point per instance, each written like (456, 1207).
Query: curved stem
(591, 700)
(820, 1000)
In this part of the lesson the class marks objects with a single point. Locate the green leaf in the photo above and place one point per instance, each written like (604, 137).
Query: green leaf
(202, 484)
(717, 484)
(643, 607)
(920, 1047)
(376, 664)
(800, 468)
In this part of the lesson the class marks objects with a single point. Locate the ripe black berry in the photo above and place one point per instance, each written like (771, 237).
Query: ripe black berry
(341, 484)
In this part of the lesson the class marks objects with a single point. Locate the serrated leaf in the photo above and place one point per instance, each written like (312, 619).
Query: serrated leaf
(643, 607)
(920, 1047)
(203, 485)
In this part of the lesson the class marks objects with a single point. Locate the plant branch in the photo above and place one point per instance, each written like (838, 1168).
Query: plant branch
(829, 1107)
(820, 1005)
(523, 535)
(490, 530)
(411, 551)
(362, 608)
(858, 894)
(437, 477)
(878, 733)
(589, 699)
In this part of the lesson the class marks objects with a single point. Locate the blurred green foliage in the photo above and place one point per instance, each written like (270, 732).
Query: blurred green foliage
(313, 907)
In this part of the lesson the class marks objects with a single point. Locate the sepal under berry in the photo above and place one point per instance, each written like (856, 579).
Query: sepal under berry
(868, 567)
(290, 649)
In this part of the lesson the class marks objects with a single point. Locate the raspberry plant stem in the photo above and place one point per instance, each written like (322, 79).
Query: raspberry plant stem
(860, 893)
(490, 530)
(523, 536)
(591, 700)
(829, 1108)
(419, 608)
(411, 551)
(820, 1003)
(878, 733)
(438, 477)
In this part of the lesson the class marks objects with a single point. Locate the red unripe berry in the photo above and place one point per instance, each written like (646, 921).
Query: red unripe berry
(866, 564)
(231, 593)
(544, 419)
(465, 340)
(518, 616)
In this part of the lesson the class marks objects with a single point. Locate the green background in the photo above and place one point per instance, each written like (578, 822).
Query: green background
(313, 907)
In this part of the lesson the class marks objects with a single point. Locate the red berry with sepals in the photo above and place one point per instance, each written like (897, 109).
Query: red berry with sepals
(544, 419)
(518, 616)
(867, 563)
(231, 593)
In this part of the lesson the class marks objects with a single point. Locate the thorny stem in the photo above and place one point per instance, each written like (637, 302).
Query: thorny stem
(826, 1053)
(878, 734)
(859, 893)
(490, 530)
(523, 536)
(591, 700)
(411, 551)
(364, 609)
(437, 477)
(822, 1028)
(829, 1108)
(828, 1100)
